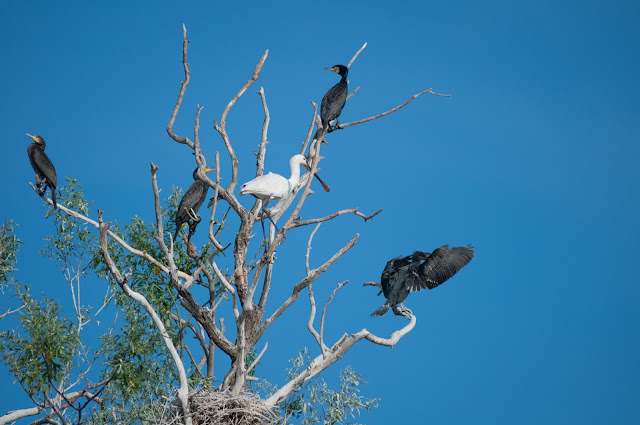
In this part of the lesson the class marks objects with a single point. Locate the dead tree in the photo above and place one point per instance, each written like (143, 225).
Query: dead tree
(248, 284)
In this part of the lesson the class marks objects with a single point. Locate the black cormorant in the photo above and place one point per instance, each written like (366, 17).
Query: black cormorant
(418, 271)
(42, 165)
(334, 100)
(191, 201)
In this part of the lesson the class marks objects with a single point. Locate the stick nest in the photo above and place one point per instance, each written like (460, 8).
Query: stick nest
(214, 408)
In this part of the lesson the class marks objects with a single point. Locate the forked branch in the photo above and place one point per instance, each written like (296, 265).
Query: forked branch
(324, 360)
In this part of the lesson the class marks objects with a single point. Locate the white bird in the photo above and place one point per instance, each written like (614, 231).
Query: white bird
(273, 186)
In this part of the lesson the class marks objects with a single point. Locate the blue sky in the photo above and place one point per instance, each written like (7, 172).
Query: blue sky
(533, 161)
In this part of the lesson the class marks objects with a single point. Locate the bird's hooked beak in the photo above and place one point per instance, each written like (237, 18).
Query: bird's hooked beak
(334, 69)
(32, 137)
(208, 169)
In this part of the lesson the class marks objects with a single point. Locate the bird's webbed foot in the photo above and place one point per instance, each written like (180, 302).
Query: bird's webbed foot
(40, 187)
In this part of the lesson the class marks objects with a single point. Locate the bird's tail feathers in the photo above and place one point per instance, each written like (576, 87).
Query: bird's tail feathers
(53, 197)
(382, 310)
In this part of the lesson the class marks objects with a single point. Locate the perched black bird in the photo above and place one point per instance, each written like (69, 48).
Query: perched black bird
(418, 271)
(191, 201)
(42, 165)
(334, 100)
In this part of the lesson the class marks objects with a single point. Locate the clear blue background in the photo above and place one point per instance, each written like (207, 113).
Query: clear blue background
(534, 160)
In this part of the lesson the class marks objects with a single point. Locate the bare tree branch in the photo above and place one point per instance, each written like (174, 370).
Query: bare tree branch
(183, 88)
(257, 359)
(310, 131)
(14, 415)
(222, 128)
(183, 391)
(263, 138)
(324, 310)
(299, 287)
(312, 317)
(349, 124)
(306, 262)
(356, 55)
(142, 254)
(323, 361)
(9, 312)
(334, 215)
(196, 334)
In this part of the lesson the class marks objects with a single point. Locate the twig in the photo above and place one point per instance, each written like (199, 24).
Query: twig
(228, 287)
(353, 92)
(191, 326)
(8, 312)
(324, 310)
(257, 359)
(334, 215)
(356, 55)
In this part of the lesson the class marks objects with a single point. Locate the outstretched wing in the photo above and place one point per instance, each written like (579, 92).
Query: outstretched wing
(390, 273)
(443, 263)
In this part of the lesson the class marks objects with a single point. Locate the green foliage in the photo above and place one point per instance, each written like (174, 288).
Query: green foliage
(316, 402)
(9, 244)
(135, 356)
(46, 350)
(72, 239)
(45, 353)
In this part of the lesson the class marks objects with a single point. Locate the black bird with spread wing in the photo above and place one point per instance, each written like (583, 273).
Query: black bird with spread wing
(191, 202)
(420, 270)
(42, 165)
(334, 100)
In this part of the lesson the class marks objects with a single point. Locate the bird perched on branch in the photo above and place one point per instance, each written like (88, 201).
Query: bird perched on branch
(42, 165)
(415, 272)
(191, 202)
(273, 186)
(334, 100)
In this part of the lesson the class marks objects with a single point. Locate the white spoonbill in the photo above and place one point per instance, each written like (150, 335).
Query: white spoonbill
(273, 186)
